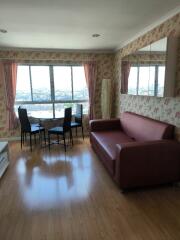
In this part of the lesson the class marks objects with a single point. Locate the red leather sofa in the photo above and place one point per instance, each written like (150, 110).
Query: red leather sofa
(136, 150)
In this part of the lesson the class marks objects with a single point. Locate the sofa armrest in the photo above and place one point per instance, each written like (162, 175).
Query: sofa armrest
(147, 163)
(101, 124)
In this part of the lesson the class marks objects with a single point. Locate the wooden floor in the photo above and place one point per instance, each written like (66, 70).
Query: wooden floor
(50, 196)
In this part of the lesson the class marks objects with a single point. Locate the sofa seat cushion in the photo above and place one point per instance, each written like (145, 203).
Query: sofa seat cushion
(105, 142)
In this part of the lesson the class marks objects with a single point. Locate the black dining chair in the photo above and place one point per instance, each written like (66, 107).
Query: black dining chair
(27, 127)
(62, 130)
(78, 119)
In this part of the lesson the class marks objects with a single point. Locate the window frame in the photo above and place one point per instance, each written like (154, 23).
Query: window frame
(155, 77)
(53, 101)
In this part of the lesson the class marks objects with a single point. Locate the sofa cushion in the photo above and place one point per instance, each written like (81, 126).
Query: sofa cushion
(105, 142)
(145, 129)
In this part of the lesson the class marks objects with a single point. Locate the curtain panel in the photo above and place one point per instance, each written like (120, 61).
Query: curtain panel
(10, 79)
(125, 70)
(90, 70)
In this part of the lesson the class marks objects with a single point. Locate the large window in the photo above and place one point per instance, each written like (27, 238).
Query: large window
(62, 91)
(46, 90)
(146, 80)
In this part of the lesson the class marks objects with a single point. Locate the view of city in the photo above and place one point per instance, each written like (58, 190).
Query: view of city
(46, 110)
(37, 88)
(44, 95)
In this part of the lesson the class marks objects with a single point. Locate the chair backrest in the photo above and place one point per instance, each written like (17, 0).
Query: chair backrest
(67, 119)
(23, 118)
(79, 113)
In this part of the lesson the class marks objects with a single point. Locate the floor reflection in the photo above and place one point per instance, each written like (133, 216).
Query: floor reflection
(48, 180)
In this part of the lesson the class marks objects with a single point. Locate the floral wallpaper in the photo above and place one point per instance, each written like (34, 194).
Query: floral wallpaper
(164, 109)
(171, 27)
(146, 58)
(177, 88)
(104, 70)
(109, 66)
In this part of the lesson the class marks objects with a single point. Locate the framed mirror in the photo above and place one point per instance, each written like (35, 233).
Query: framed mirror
(147, 72)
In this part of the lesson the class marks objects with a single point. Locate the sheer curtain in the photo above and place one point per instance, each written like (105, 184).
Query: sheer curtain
(90, 70)
(10, 78)
(125, 70)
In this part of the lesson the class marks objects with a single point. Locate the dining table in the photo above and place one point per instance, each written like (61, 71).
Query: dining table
(47, 122)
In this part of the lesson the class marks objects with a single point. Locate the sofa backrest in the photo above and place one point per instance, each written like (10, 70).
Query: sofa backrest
(143, 128)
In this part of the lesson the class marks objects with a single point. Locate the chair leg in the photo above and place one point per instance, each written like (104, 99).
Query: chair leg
(35, 138)
(82, 131)
(45, 137)
(64, 142)
(40, 138)
(21, 139)
(71, 137)
(30, 142)
(49, 141)
(58, 138)
(76, 131)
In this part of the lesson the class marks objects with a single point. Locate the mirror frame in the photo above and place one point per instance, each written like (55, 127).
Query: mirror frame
(170, 68)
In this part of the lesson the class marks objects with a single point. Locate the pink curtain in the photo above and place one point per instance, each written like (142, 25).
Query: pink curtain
(10, 78)
(90, 75)
(125, 70)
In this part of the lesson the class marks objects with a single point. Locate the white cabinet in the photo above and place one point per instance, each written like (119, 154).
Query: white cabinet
(4, 157)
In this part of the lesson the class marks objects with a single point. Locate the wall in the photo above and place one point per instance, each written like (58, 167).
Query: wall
(146, 58)
(165, 109)
(104, 70)
(109, 66)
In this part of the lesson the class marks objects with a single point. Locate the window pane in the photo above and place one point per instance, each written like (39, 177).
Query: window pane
(62, 83)
(161, 78)
(23, 88)
(132, 81)
(37, 110)
(79, 83)
(59, 108)
(146, 80)
(40, 83)
(151, 81)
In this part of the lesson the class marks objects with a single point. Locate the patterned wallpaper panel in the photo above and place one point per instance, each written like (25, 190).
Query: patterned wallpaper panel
(109, 66)
(105, 69)
(171, 27)
(145, 58)
(117, 83)
(164, 109)
(177, 90)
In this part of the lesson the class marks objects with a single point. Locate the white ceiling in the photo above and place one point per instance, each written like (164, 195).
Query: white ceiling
(69, 24)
